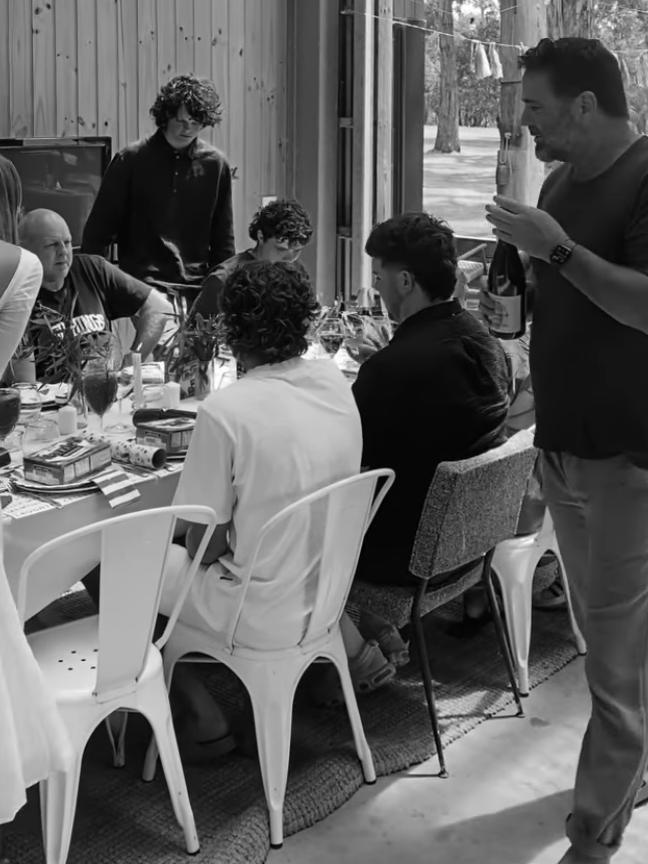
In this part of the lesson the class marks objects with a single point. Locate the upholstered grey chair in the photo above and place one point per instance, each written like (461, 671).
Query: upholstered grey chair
(470, 507)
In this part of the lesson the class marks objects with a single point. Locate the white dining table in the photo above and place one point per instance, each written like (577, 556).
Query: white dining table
(30, 521)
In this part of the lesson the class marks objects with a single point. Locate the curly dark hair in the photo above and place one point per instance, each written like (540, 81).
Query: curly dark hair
(267, 309)
(421, 244)
(574, 65)
(198, 95)
(285, 218)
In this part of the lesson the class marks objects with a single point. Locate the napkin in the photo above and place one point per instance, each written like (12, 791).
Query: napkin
(115, 486)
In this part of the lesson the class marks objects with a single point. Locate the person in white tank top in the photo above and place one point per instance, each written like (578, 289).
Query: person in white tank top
(33, 740)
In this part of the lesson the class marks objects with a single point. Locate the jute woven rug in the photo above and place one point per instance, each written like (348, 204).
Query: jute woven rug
(121, 820)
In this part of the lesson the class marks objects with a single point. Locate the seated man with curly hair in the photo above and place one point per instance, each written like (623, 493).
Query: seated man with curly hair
(280, 230)
(287, 428)
(167, 200)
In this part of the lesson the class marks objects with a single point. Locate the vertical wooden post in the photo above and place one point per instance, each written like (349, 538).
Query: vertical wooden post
(384, 110)
(523, 22)
(363, 138)
(313, 130)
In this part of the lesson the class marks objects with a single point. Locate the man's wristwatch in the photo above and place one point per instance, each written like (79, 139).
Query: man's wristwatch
(561, 253)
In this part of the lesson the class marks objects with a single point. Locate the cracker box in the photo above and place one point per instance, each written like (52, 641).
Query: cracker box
(70, 459)
(172, 433)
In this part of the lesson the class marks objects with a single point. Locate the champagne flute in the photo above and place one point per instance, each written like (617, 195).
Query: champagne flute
(331, 335)
(99, 381)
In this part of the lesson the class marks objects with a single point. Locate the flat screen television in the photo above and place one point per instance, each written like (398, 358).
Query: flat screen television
(61, 174)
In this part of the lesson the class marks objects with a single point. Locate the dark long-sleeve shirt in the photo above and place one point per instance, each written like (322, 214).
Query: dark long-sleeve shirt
(170, 211)
(437, 392)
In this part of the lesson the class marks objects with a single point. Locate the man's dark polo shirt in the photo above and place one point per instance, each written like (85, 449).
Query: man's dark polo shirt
(587, 368)
(208, 301)
(437, 392)
(170, 211)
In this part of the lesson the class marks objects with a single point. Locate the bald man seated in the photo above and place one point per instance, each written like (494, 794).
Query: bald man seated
(85, 290)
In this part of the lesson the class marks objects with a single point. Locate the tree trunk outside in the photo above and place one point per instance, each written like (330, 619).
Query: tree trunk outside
(447, 139)
(569, 18)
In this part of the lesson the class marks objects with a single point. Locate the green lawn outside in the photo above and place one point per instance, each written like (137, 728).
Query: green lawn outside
(456, 186)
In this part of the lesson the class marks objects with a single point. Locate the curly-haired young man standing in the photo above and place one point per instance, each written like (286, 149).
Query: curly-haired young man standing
(167, 200)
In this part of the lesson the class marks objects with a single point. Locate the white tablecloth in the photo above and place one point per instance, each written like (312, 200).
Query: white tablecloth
(29, 522)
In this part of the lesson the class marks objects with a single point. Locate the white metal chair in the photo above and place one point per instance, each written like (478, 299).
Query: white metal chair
(107, 662)
(514, 562)
(340, 515)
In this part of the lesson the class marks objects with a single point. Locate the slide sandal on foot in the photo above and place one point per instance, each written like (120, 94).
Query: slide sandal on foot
(393, 646)
(369, 669)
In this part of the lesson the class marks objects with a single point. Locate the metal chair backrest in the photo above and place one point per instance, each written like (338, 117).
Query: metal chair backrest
(471, 506)
(132, 550)
(335, 520)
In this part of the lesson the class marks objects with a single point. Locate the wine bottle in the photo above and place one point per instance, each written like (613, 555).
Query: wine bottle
(507, 287)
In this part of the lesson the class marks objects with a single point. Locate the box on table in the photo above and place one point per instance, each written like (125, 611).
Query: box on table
(172, 433)
(70, 459)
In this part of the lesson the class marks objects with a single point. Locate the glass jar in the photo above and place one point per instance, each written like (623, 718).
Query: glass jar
(30, 402)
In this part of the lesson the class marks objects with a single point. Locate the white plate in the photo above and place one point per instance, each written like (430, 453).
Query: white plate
(81, 485)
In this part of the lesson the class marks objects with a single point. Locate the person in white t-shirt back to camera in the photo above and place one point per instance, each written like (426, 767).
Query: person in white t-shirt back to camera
(288, 427)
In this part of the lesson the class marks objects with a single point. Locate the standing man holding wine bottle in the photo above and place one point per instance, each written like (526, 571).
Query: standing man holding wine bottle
(589, 241)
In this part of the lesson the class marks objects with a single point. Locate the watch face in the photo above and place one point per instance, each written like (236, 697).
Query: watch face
(561, 254)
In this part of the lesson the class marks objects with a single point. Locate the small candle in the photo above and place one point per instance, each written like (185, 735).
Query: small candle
(138, 390)
(67, 420)
(171, 396)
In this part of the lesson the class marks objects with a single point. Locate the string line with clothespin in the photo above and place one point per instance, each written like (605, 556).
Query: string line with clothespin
(404, 22)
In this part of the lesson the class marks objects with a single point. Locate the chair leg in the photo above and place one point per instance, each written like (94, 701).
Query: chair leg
(501, 636)
(514, 570)
(581, 645)
(362, 747)
(158, 712)
(419, 635)
(58, 797)
(116, 728)
(272, 689)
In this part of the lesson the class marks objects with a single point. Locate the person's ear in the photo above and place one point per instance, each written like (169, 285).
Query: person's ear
(259, 236)
(586, 104)
(406, 283)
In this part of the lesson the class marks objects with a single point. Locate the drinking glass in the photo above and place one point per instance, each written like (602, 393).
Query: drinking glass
(30, 402)
(9, 411)
(99, 381)
(331, 335)
(38, 434)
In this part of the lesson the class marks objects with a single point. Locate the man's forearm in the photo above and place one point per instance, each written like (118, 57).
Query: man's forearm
(148, 329)
(619, 291)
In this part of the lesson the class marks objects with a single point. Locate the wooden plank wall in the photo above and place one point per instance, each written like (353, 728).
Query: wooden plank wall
(93, 67)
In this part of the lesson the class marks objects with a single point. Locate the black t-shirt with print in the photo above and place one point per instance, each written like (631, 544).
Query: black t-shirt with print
(94, 293)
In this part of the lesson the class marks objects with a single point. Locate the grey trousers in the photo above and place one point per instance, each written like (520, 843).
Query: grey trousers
(600, 512)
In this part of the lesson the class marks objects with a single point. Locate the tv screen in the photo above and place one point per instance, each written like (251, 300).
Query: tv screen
(60, 174)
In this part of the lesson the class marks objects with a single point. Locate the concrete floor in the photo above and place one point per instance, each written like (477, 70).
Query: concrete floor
(504, 803)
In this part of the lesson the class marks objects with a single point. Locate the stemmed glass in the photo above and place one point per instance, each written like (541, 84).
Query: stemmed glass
(9, 411)
(99, 381)
(331, 335)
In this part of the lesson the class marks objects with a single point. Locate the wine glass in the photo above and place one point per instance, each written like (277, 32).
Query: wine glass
(99, 381)
(331, 335)
(9, 411)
